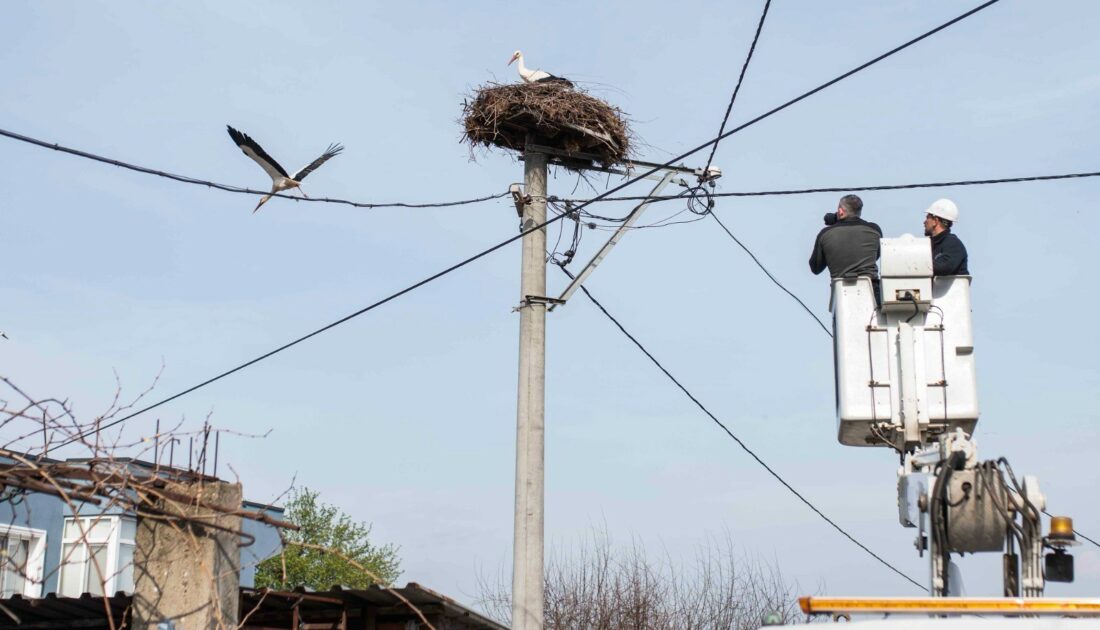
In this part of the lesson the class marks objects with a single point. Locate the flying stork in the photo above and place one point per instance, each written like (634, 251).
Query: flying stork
(535, 76)
(280, 181)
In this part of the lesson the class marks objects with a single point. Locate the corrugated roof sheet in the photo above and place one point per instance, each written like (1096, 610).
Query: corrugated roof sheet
(259, 607)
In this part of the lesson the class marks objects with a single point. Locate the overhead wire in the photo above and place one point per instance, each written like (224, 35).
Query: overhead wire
(553, 251)
(709, 207)
(846, 189)
(601, 199)
(1076, 532)
(737, 87)
(703, 208)
(565, 257)
(238, 189)
(710, 196)
(483, 253)
(605, 195)
(666, 222)
(772, 277)
(738, 440)
(310, 335)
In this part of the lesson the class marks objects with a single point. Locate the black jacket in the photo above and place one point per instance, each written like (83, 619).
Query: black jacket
(849, 248)
(948, 255)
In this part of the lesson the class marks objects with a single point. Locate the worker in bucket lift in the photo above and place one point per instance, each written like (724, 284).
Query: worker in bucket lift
(948, 252)
(847, 245)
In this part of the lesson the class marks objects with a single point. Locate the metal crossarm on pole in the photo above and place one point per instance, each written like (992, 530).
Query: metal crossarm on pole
(614, 240)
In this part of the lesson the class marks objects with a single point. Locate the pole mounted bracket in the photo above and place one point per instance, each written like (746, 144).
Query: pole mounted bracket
(540, 299)
(666, 177)
(712, 173)
(530, 300)
(519, 198)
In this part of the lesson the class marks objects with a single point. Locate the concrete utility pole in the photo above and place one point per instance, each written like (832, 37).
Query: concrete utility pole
(527, 566)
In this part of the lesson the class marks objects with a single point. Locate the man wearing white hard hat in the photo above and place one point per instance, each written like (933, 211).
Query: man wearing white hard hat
(948, 252)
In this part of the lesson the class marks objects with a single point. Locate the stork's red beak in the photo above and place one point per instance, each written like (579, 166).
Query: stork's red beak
(512, 59)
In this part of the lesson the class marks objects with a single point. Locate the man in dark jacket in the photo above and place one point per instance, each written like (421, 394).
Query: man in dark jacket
(948, 252)
(848, 245)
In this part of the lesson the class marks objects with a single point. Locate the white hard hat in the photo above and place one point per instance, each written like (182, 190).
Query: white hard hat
(944, 209)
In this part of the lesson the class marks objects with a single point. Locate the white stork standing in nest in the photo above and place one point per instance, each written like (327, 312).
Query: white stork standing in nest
(535, 76)
(280, 181)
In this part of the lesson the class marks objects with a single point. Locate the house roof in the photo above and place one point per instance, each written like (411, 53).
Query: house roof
(258, 608)
(266, 507)
(53, 612)
(276, 608)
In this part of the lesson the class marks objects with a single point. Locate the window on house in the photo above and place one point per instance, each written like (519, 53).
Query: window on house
(97, 556)
(22, 551)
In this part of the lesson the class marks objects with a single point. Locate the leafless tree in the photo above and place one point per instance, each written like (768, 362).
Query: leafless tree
(107, 473)
(600, 586)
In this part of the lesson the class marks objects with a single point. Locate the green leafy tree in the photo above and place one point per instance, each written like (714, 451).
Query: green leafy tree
(326, 550)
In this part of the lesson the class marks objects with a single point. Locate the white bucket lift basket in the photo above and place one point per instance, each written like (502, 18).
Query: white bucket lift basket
(912, 357)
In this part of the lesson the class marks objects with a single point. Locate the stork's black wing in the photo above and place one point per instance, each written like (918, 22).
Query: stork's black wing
(253, 150)
(554, 79)
(332, 151)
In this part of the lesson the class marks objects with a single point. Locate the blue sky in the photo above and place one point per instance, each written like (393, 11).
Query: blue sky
(405, 417)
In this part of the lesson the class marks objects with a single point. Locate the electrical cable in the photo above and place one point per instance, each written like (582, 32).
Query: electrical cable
(700, 200)
(773, 279)
(736, 439)
(793, 101)
(703, 208)
(840, 189)
(737, 88)
(688, 193)
(668, 222)
(607, 193)
(552, 252)
(938, 511)
(567, 256)
(1019, 489)
(988, 470)
(882, 438)
(1075, 531)
(237, 189)
(316, 332)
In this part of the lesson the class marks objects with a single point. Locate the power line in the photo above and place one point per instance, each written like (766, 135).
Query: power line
(769, 274)
(738, 440)
(465, 262)
(707, 210)
(729, 108)
(797, 99)
(710, 158)
(320, 330)
(737, 88)
(236, 189)
(767, 114)
(684, 389)
(606, 195)
(846, 189)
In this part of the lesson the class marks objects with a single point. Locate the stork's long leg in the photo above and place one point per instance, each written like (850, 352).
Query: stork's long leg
(303, 192)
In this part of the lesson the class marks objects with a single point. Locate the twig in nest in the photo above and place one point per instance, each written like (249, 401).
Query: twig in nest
(549, 114)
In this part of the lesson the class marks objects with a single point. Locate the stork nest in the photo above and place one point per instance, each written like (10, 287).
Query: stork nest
(550, 114)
